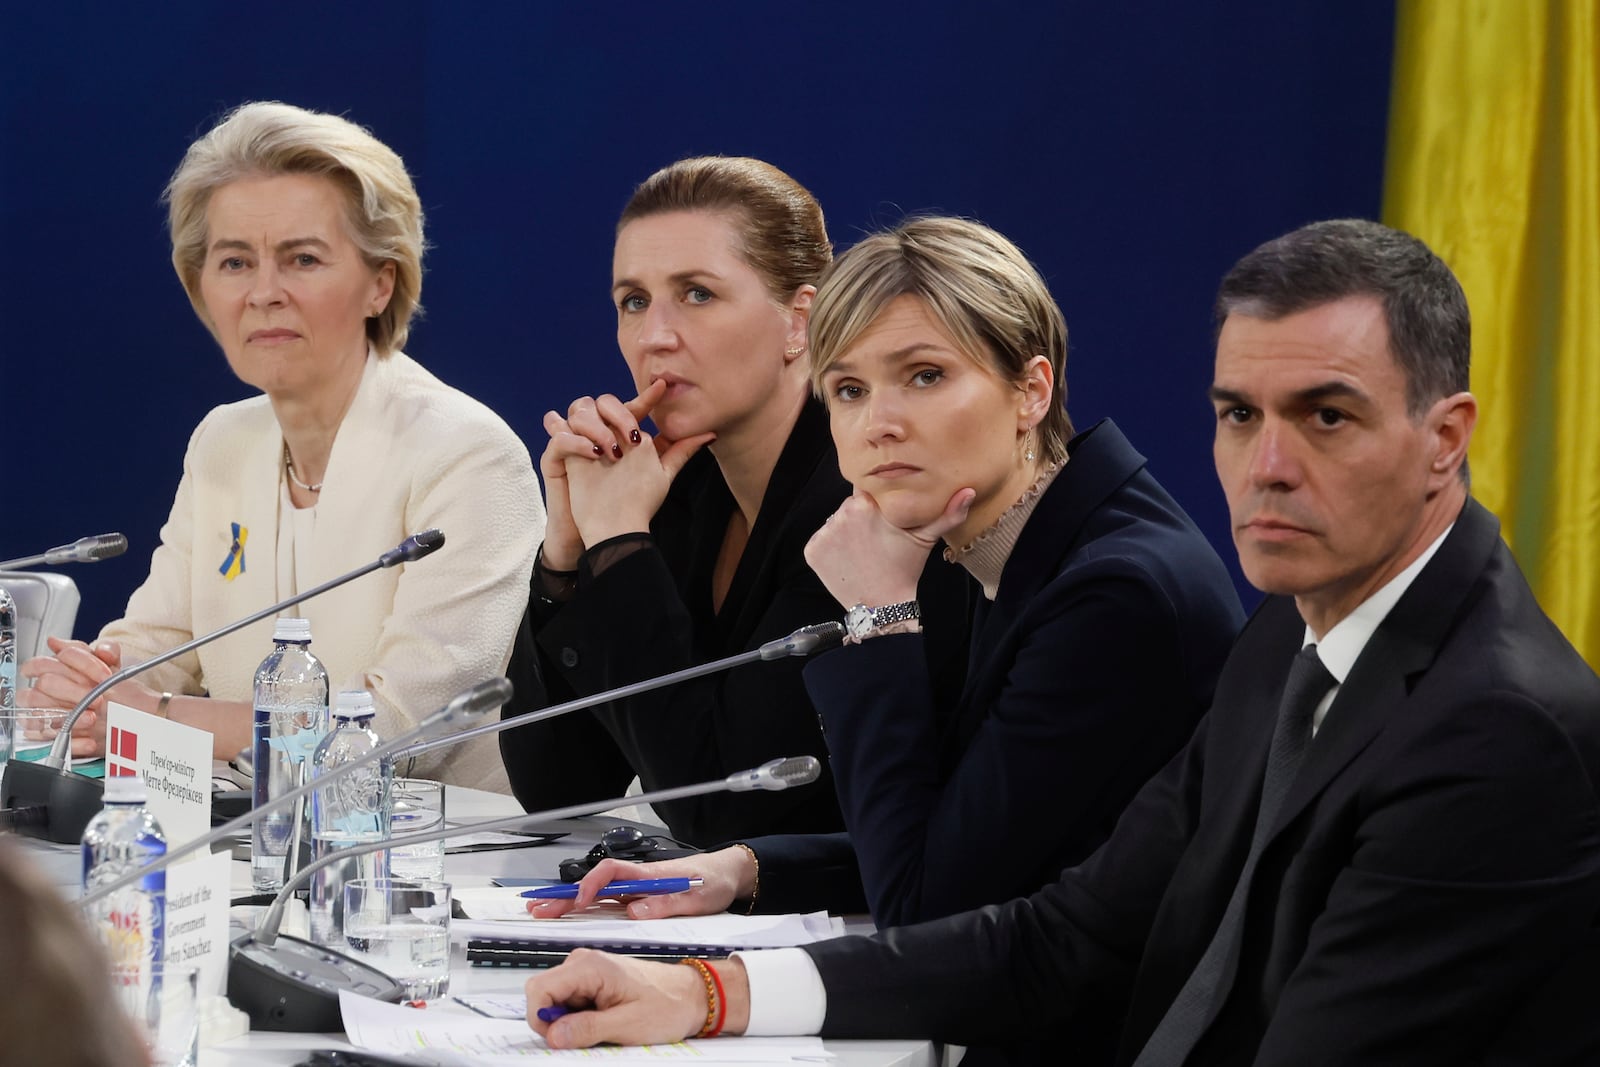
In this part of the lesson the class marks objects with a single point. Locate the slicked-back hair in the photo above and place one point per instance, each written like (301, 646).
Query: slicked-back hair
(1430, 330)
(781, 230)
(975, 283)
(267, 139)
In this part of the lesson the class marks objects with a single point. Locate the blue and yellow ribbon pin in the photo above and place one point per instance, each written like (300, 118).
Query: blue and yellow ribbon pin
(233, 566)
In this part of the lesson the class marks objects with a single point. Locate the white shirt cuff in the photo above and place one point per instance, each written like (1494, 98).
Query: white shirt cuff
(786, 993)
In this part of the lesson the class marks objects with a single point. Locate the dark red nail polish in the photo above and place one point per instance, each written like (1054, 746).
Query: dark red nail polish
(616, 450)
(599, 451)
(633, 435)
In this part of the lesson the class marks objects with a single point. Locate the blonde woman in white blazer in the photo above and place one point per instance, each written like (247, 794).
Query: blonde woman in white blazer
(298, 237)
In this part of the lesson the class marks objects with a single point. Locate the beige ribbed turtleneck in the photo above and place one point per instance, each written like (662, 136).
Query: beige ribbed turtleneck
(985, 556)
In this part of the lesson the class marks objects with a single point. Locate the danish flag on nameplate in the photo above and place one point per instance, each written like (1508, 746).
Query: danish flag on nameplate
(175, 762)
(122, 752)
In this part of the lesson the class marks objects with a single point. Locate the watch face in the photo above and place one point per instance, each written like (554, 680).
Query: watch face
(858, 621)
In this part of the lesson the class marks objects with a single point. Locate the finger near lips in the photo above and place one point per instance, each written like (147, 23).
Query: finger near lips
(640, 406)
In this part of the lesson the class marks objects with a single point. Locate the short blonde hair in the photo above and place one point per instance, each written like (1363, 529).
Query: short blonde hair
(975, 283)
(270, 139)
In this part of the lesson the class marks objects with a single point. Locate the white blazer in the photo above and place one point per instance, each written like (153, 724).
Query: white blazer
(412, 453)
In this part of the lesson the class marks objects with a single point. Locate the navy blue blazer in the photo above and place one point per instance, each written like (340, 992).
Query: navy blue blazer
(1089, 670)
(1427, 894)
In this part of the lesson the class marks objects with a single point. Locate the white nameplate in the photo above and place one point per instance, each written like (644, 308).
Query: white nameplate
(197, 917)
(175, 761)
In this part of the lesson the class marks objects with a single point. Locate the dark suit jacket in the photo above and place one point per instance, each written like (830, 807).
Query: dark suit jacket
(1436, 860)
(1089, 670)
(650, 613)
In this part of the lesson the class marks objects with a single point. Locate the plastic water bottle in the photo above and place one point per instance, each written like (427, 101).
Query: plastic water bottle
(291, 718)
(131, 922)
(354, 810)
(8, 676)
(8, 651)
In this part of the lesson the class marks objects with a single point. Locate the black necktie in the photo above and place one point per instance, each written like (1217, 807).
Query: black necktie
(1197, 1002)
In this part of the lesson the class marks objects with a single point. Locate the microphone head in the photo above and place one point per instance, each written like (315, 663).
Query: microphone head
(777, 774)
(806, 641)
(484, 697)
(413, 548)
(87, 550)
(100, 546)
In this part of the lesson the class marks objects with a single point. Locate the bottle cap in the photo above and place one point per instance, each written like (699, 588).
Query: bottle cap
(291, 629)
(126, 789)
(352, 704)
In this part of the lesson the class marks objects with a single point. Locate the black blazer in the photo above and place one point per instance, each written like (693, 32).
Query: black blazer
(651, 613)
(1437, 859)
(1089, 670)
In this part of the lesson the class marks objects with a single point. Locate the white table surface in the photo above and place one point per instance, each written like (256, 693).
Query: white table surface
(467, 869)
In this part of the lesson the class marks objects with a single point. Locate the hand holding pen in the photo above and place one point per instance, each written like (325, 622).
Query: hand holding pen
(600, 997)
(717, 872)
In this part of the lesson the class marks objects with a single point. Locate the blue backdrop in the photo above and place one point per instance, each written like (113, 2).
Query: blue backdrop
(1134, 150)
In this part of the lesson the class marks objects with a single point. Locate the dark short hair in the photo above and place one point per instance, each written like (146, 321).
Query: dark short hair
(1430, 331)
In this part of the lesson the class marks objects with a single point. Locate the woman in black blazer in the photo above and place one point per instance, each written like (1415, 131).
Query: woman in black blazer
(670, 549)
(1105, 615)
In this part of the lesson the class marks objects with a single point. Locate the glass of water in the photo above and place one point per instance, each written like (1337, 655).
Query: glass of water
(401, 927)
(418, 807)
(27, 733)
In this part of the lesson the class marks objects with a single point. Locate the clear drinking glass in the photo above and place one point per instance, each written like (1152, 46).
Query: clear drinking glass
(27, 733)
(418, 807)
(164, 1003)
(401, 927)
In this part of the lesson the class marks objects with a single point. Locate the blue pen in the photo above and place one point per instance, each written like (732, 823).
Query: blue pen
(551, 1013)
(646, 887)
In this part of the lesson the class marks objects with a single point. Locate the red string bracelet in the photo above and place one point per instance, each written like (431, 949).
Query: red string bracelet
(716, 999)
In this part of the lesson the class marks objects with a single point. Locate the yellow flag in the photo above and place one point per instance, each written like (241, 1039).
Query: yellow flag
(1494, 161)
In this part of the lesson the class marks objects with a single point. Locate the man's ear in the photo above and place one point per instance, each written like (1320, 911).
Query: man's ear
(1450, 421)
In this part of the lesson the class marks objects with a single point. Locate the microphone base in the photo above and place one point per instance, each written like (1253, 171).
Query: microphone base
(69, 800)
(293, 985)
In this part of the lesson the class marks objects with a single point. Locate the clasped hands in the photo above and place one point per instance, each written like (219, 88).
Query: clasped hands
(603, 474)
(60, 681)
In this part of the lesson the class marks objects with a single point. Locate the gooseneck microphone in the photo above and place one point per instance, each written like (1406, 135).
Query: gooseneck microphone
(70, 800)
(806, 641)
(285, 983)
(83, 550)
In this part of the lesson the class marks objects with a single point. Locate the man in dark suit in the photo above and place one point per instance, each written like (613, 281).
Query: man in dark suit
(1383, 851)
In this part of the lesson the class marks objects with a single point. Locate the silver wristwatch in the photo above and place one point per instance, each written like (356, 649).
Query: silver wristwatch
(861, 620)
